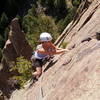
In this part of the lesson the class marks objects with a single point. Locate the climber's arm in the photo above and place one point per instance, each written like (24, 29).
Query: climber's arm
(42, 51)
(57, 48)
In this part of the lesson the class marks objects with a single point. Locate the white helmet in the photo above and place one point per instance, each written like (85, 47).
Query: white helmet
(45, 37)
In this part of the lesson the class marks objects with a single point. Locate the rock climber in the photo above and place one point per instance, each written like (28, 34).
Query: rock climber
(45, 49)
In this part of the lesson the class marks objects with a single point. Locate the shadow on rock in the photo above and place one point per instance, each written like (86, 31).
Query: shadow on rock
(50, 65)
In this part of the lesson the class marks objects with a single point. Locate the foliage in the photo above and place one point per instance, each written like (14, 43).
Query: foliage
(55, 8)
(64, 22)
(60, 12)
(13, 7)
(76, 2)
(3, 29)
(0, 54)
(24, 68)
(3, 23)
(61, 16)
(64, 44)
(35, 25)
(9, 9)
(1, 41)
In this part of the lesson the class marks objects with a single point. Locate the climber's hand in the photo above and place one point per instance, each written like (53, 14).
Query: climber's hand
(65, 50)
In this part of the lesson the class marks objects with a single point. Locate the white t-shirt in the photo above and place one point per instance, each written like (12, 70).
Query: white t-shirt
(38, 55)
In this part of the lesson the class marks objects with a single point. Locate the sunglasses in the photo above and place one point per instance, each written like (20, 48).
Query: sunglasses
(43, 42)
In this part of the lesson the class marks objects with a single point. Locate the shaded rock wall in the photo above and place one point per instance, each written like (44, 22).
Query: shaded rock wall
(15, 46)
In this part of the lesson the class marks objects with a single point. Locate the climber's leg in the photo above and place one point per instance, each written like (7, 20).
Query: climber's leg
(38, 66)
(38, 72)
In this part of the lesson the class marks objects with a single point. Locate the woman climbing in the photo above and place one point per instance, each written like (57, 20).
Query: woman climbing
(46, 49)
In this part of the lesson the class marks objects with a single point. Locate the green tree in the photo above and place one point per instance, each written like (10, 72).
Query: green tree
(3, 29)
(1, 42)
(24, 68)
(3, 23)
(64, 22)
(13, 7)
(76, 2)
(0, 53)
(35, 25)
(55, 8)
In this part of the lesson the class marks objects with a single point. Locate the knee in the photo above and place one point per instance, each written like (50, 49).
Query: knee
(39, 73)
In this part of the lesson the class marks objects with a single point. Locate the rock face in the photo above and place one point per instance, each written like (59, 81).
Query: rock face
(15, 46)
(74, 75)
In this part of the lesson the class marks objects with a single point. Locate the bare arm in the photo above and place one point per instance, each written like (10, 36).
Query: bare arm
(42, 51)
(57, 48)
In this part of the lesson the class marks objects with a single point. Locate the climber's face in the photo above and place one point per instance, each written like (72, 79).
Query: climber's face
(45, 42)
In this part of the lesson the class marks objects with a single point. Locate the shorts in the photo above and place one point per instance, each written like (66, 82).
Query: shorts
(38, 63)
